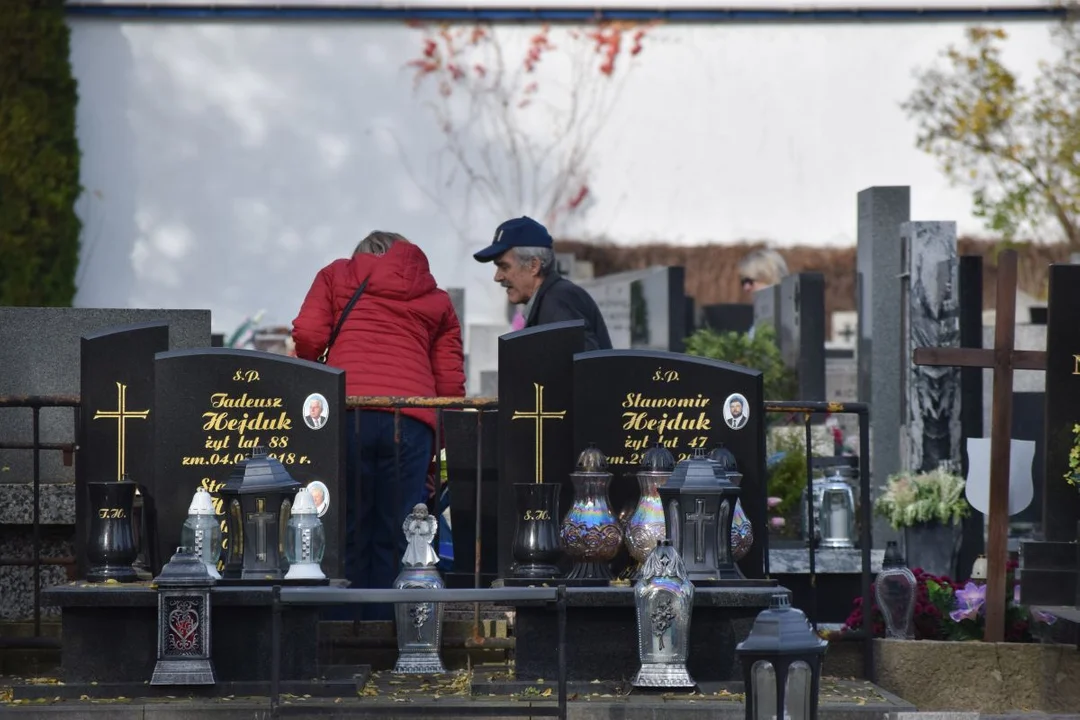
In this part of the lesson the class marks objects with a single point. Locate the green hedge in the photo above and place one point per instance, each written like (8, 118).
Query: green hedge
(39, 156)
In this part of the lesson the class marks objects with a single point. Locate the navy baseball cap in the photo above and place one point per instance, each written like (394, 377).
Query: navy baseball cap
(519, 232)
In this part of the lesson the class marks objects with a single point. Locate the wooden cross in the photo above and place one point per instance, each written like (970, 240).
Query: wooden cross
(1003, 359)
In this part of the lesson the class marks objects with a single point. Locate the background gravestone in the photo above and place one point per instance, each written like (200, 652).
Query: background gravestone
(621, 397)
(117, 417)
(39, 355)
(1061, 506)
(643, 308)
(215, 406)
(930, 310)
(802, 332)
(878, 268)
(767, 308)
(728, 317)
(535, 391)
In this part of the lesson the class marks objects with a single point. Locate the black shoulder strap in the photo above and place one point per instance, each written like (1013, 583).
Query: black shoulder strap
(341, 320)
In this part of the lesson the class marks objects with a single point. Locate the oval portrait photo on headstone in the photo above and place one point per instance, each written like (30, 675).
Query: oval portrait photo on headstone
(320, 495)
(316, 411)
(736, 412)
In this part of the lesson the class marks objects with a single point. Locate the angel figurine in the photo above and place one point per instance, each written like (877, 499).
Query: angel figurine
(419, 530)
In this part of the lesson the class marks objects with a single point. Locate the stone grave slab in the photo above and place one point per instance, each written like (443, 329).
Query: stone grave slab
(643, 308)
(626, 401)
(536, 418)
(116, 433)
(930, 310)
(881, 211)
(802, 331)
(728, 317)
(216, 405)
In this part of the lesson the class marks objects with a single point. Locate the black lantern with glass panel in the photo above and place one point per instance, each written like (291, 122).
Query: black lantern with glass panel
(781, 659)
(257, 499)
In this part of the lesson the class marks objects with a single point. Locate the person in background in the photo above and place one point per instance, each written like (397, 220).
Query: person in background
(760, 269)
(401, 338)
(525, 266)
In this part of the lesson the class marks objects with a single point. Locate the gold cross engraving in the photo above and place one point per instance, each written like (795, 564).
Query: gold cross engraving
(121, 415)
(538, 415)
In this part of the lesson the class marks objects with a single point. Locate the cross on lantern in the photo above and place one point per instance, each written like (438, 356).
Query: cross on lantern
(260, 519)
(1003, 359)
(699, 517)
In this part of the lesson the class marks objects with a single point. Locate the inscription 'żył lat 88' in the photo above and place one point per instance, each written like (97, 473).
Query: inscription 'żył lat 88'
(217, 405)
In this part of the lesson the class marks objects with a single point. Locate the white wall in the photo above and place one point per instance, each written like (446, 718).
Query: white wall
(226, 162)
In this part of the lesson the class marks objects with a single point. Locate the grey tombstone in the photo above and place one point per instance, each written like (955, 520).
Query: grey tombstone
(457, 299)
(802, 331)
(40, 355)
(930, 311)
(767, 308)
(643, 309)
(728, 317)
(878, 264)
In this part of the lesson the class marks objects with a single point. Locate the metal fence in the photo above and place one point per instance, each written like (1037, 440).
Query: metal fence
(481, 406)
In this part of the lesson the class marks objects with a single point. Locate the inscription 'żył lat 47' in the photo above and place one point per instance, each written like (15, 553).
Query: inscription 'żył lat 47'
(1002, 359)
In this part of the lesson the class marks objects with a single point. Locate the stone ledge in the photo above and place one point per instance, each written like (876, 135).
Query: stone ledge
(979, 676)
(796, 561)
(17, 504)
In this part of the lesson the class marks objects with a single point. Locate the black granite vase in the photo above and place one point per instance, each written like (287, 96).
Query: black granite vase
(536, 543)
(110, 549)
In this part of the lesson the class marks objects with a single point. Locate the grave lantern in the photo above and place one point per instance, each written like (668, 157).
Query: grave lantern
(664, 600)
(305, 540)
(646, 526)
(183, 646)
(258, 497)
(699, 502)
(781, 659)
(202, 531)
(590, 533)
(895, 588)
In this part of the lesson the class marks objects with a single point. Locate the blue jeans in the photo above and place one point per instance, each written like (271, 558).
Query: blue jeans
(387, 494)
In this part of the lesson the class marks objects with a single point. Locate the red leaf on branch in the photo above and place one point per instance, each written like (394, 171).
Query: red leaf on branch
(456, 73)
(579, 198)
(429, 47)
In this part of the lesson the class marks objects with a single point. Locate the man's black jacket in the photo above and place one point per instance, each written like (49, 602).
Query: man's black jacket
(558, 300)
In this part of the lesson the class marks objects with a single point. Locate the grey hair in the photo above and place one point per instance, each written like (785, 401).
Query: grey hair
(378, 242)
(765, 266)
(546, 256)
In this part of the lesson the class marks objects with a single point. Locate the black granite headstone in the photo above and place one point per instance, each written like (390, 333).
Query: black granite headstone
(216, 405)
(116, 431)
(625, 401)
(729, 317)
(1061, 504)
(802, 331)
(1029, 414)
(536, 421)
(971, 394)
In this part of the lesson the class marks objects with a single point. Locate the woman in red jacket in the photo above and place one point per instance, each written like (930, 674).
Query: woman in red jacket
(401, 338)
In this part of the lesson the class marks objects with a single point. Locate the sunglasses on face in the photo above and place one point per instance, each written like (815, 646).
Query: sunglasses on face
(747, 282)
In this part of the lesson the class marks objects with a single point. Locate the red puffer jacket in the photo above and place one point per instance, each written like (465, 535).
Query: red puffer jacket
(401, 338)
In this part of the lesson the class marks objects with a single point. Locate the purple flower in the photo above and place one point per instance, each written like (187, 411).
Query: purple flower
(969, 601)
(777, 522)
(1043, 617)
(774, 501)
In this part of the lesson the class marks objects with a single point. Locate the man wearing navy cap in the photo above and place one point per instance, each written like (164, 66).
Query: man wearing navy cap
(525, 266)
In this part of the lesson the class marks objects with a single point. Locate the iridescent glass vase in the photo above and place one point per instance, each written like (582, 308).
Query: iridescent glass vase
(664, 600)
(895, 590)
(742, 531)
(590, 533)
(647, 526)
